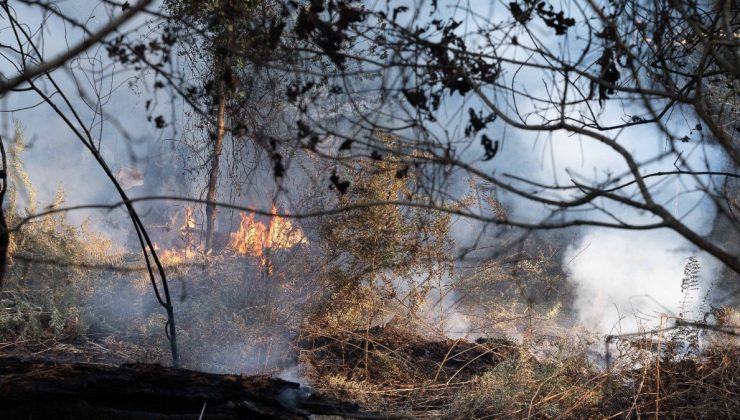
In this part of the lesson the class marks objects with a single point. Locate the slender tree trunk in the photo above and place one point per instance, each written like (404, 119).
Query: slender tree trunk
(218, 146)
(4, 234)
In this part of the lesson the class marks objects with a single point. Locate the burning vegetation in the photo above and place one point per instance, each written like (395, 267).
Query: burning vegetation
(254, 238)
(402, 269)
(309, 312)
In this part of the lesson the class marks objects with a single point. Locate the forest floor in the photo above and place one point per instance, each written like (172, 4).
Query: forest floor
(45, 389)
(398, 371)
(53, 371)
(391, 371)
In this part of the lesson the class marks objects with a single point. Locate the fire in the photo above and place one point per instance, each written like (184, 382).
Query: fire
(253, 237)
(250, 238)
(170, 257)
(173, 256)
(189, 250)
(189, 224)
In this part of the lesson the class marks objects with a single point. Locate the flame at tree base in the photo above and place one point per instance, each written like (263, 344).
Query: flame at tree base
(253, 237)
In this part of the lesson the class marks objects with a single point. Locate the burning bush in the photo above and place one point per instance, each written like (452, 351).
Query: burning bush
(253, 237)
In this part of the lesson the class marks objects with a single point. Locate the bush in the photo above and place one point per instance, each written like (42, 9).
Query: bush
(46, 286)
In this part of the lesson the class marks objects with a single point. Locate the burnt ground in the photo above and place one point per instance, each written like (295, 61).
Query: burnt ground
(108, 351)
(407, 374)
(88, 379)
(44, 389)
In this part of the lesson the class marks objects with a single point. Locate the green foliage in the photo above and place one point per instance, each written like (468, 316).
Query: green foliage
(226, 30)
(215, 13)
(689, 285)
(20, 317)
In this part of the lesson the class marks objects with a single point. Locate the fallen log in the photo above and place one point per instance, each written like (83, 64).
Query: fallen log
(42, 389)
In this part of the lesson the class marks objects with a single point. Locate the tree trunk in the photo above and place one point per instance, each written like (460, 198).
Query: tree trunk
(4, 234)
(218, 146)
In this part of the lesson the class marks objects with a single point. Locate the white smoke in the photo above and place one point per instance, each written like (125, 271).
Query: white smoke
(627, 280)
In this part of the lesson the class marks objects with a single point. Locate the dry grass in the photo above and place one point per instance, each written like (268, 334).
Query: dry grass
(48, 300)
(400, 373)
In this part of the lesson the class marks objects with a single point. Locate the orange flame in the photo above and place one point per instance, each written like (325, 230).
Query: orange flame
(180, 255)
(189, 223)
(173, 257)
(254, 237)
(170, 257)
